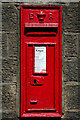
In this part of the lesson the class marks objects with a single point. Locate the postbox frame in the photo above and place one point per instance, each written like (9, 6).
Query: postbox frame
(58, 83)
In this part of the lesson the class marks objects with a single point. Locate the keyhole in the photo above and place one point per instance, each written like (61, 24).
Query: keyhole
(35, 81)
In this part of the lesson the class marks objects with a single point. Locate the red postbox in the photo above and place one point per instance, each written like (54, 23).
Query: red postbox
(41, 61)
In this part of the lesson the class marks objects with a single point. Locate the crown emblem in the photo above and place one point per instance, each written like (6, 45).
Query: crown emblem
(41, 16)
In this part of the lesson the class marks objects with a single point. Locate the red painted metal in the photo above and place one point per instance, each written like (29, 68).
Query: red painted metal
(41, 24)
(41, 92)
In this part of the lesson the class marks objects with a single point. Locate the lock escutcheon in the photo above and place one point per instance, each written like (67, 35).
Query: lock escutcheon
(37, 80)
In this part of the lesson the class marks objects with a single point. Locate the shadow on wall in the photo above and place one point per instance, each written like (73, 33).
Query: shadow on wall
(37, 118)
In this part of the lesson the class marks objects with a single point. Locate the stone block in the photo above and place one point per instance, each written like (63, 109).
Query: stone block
(9, 17)
(72, 115)
(10, 49)
(0, 97)
(79, 45)
(4, 45)
(0, 114)
(71, 97)
(8, 97)
(13, 45)
(11, 115)
(10, 45)
(9, 71)
(70, 45)
(70, 70)
(0, 26)
(71, 19)
(68, 118)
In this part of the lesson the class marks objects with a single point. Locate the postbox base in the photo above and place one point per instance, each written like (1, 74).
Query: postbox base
(41, 115)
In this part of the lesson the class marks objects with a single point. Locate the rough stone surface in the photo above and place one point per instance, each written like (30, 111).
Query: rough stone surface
(9, 18)
(9, 115)
(9, 71)
(71, 17)
(70, 70)
(8, 97)
(72, 115)
(0, 100)
(79, 45)
(70, 45)
(10, 44)
(79, 58)
(71, 97)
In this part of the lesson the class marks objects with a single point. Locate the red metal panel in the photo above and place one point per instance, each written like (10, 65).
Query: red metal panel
(41, 91)
(41, 25)
(46, 84)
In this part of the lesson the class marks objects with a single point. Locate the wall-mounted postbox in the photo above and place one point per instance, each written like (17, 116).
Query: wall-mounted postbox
(41, 63)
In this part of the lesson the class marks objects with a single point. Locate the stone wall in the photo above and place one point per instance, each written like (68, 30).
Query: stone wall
(11, 58)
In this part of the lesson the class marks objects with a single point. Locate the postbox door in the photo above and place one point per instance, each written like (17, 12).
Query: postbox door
(39, 77)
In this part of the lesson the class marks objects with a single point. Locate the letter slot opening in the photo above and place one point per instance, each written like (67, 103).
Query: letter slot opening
(40, 31)
(33, 102)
